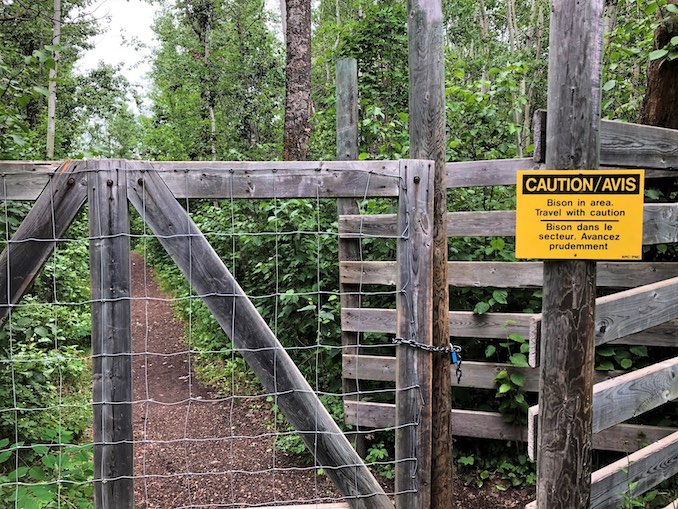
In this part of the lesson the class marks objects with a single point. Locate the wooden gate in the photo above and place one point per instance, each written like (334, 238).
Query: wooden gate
(153, 190)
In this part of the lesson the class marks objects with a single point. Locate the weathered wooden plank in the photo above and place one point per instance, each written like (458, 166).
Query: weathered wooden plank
(463, 324)
(493, 426)
(335, 505)
(511, 274)
(478, 375)
(26, 186)
(624, 145)
(35, 239)
(635, 310)
(632, 394)
(660, 224)
(283, 183)
(623, 397)
(501, 172)
(413, 451)
(253, 338)
(349, 249)
(641, 470)
(111, 335)
(672, 505)
(661, 335)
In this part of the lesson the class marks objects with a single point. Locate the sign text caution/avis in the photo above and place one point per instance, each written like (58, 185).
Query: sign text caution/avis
(594, 215)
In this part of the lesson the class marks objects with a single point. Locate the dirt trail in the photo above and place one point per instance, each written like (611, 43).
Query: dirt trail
(187, 447)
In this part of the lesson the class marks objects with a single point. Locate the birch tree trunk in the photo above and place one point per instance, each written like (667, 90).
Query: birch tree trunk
(52, 87)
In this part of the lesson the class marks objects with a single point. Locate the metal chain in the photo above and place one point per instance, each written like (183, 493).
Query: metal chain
(429, 348)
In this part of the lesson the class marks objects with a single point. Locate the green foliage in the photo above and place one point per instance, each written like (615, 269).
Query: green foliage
(46, 476)
(609, 358)
(496, 467)
(240, 79)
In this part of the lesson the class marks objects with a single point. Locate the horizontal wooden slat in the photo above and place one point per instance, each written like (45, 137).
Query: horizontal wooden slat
(636, 310)
(349, 179)
(660, 224)
(465, 423)
(500, 172)
(266, 179)
(335, 505)
(638, 146)
(643, 470)
(665, 335)
(492, 425)
(462, 323)
(478, 375)
(622, 398)
(511, 274)
(625, 145)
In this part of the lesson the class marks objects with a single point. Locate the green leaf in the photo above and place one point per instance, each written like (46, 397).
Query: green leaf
(605, 366)
(519, 359)
(609, 85)
(40, 449)
(518, 379)
(504, 388)
(658, 53)
(45, 92)
(490, 350)
(500, 296)
(41, 331)
(626, 363)
(606, 352)
(639, 351)
(673, 9)
(481, 308)
(363, 155)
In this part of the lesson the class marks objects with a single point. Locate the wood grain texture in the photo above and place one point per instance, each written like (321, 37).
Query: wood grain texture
(660, 224)
(414, 371)
(111, 335)
(462, 323)
(477, 375)
(624, 145)
(622, 398)
(427, 117)
(511, 274)
(643, 469)
(34, 241)
(635, 310)
(572, 142)
(501, 172)
(661, 335)
(493, 426)
(250, 334)
(349, 249)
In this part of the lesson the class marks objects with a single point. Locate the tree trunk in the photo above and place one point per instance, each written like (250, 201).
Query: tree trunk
(298, 103)
(51, 100)
(660, 105)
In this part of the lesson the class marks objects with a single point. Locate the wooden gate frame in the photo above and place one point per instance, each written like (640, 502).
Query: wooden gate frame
(108, 185)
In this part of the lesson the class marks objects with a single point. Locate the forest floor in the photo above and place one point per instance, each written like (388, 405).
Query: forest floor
(195, 448)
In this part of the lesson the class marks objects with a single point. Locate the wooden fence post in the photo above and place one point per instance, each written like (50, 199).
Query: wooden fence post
(427, 141)
(111, 335)
(567, 351)
(349, 249)
(414, 323)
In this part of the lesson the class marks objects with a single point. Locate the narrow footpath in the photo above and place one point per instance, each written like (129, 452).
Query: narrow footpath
(192, 448)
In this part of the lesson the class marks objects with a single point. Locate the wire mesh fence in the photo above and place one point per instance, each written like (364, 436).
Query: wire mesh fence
(205, 430)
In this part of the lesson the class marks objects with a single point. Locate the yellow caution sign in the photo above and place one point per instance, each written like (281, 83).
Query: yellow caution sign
(580, 215)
